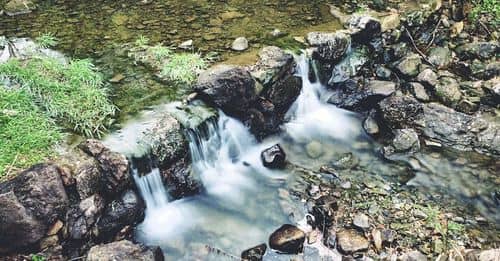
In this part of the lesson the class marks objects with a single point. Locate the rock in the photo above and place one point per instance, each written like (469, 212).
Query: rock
(127, 210)
(370, 125)
(383, 73)
(428, 77)
(114, 166)
(329, 47)
(273, 157)
(440, 56)
(287, 239)
(314, 149)
(346, 161)
(448, 91)
(361, 221)
(390, 22)
(18, 7)
(81, 219)
(230, 88)
(88, 178)
(180, 180)
(117, 78)
(379, 89)
(486, 70)
(364, 28)
(413, 256)
(255, 253)
(418, 90)
(350, 241)
(399, 112)
(483, 255)
(187, 45)
(377, 239)
(479, 50)
(349, 66)
(124, 250)
(31, 203)
(409, 65)
(406, 140)
(230, 15)
(240, 44)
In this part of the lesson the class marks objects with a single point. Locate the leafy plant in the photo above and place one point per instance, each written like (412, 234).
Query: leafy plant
(72, 94)
(491, 7)
(26, 133)
(47, 40)
(183, 67)
(37, 258)
(160, 52)
(141, 41)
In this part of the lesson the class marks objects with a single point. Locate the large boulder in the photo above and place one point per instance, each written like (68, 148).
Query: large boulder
(329, 47)
(364, 28)
(349, 66)
(124, 251)
(399, 112)
(287, 239)
(114, 166)
(356, 96)
(30, 204)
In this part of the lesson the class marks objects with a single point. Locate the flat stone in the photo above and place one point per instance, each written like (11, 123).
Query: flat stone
(240, 44)
(418, 90)
(186, 45)
(409, 65)
(361, 221)
(428, 77)
(380, 88)
(351, 241)
(117, 78)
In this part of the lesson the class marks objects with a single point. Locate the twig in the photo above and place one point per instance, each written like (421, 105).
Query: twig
(77, 258)
(485, 28)
(433, 34)
(416, 48)
(12, 165)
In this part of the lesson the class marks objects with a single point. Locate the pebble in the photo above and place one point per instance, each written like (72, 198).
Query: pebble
(361, 221)
(186, 45)
(240, 44)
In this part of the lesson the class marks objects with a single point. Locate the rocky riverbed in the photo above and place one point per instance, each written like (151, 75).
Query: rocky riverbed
(402, 162)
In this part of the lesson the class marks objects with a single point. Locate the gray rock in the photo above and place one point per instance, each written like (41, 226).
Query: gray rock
(349, 66)
(124, 250)
(240, 44)
(479, 50)
(380, 89)
(273, 157)
(440, 56)
(418, 90)
(361, 221)
(363, 27)
(383, 72)
(406, 140)
(370, 125)
(399, 112)
(349, 241)
(329, 47)
(448, 91)
(287, 239)
(428, 77)
(409, 66)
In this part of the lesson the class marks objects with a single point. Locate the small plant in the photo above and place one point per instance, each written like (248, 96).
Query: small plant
(183, 67)
(47, 40)
(160, 52)
(455, 228)
(37, 258)
(141, 41)
(491, 7)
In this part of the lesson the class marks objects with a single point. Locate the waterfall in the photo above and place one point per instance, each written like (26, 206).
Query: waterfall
(151, 187)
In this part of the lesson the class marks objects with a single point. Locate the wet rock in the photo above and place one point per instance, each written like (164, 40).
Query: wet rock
(428, 77)
(18, 7)
(240, 44)
(114, 166)
(273, 157)
(349, 241)
(349, 66)
(346, 161)
(370, 125)
(88, 178)
(81, 218)
(287, 239)
(230, 88)
(448, 91)
(440, 56)
(413, 256)
(180, 180)
(418, 90)
(255, 253)
(409, 65)
(399, 112)
(361, 221)
(364, 28)
(329, 47)
(124, 250)
(31, 203)
(379, 89)
(314, 149)
(383, 73)
(127, 210)
(479, 50)
(406, 140)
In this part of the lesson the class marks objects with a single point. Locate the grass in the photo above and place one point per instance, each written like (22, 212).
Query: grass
(71, 94)
(486, 7)
(26, 133)
(47, 40)
(141, 41)
(183, 67)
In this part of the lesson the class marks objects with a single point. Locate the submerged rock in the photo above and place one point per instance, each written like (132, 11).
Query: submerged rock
(30, 203)
(255, 253)
(287, 239)
(273, 157)
(124, 250)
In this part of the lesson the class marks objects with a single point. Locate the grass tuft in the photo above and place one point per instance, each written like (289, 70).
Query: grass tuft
(183, 67)
(47, 40)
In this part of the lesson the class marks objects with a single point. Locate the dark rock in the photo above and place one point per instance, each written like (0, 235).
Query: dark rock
(479, 50)
(230, 88)
(287, 239)
(124, 250)
(349, 66)
(180, 180)
(382, 72)
(30, 203)
(88, 179)
(329, 47)
(114, 166)
(127, 210)
(273, 157)
(364, 28)
(399, 112)
(81, 218)
(255, 253)
(409, 65)
(485, 70)
(349, 241)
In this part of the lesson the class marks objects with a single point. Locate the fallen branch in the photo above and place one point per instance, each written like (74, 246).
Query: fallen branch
(433, 34)
(416, 48)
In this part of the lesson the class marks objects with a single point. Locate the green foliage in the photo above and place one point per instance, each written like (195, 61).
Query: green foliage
(183, 67)
(72, 94)
(26, 133)
(141, 41)
(47, 40)
(486, 7)
(160, 52)
(455, 228)
(37, 258)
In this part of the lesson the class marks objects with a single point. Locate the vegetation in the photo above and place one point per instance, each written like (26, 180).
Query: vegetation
(72, 94)
(183, 67)
(142, 41)
(26, 133)
(488, 7)
(47, 40)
